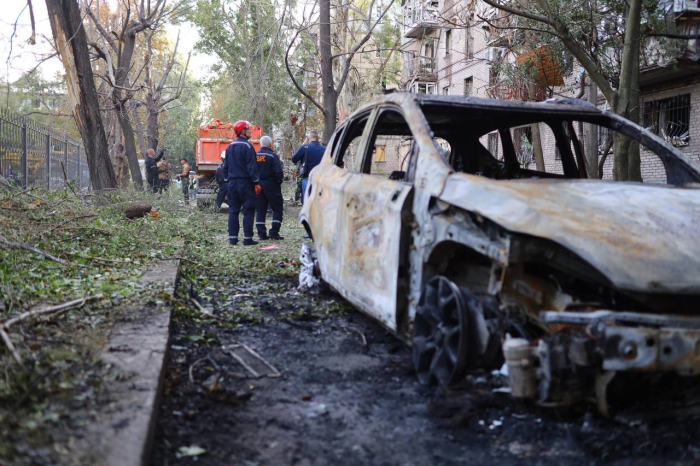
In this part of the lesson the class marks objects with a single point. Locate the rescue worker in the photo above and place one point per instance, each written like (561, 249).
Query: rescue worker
(152, 169)
(310, 154)
(185, 179)
(271, 177)
(221, 177)
(243, 183)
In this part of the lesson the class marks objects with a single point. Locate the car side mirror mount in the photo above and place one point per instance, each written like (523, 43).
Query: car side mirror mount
(397, 175)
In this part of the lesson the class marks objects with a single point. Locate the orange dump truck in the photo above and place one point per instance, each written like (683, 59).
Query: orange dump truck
(212, 140)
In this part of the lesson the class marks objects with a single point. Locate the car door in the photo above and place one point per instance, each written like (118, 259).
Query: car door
(322, 212)
(374, 222)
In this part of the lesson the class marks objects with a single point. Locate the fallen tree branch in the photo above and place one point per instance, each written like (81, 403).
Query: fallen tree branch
(10, 346)
(26, 247)
(37, 312)
(202, 310)
(50, 310)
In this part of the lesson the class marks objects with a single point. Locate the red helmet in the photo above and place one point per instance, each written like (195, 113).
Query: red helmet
(239, 126)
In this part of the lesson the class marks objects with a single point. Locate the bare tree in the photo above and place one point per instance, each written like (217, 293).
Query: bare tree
(138, 17)
(156, 100)
(624, 99)
(332, 86)
(72, 45)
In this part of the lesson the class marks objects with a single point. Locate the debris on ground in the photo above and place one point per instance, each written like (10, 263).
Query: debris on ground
(307, 278)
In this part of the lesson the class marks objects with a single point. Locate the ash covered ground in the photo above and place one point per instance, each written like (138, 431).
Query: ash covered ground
(347, 393)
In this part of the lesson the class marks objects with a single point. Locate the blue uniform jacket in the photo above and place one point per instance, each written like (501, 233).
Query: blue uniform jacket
(316, 151)
(241, 161)
(269, 165)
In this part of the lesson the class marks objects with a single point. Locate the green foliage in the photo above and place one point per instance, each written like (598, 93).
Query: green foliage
(251, 81)
(178, 124)
(44, 100)
(598, 29)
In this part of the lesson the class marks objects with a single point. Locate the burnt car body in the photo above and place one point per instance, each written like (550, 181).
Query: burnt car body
(458, 248)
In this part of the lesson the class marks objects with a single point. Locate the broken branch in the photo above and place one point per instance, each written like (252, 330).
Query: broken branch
(37, 312)
(10, 245)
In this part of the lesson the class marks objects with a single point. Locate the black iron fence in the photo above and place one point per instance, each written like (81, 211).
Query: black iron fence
(33, 154)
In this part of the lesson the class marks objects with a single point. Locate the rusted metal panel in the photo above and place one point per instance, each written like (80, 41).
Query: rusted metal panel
(611, 225)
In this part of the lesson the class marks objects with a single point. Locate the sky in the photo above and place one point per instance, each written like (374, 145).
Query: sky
(25, 57)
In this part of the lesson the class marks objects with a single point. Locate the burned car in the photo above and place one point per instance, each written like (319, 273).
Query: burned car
(427, 215)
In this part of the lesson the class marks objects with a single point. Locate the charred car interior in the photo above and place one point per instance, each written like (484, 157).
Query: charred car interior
(430, 215)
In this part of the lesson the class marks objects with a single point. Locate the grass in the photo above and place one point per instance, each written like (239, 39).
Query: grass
(56, 391)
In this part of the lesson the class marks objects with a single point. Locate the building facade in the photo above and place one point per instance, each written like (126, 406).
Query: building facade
(445, 51)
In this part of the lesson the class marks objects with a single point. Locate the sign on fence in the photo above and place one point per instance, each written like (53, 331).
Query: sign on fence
(32, 154)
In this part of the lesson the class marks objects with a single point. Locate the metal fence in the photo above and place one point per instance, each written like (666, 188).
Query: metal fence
(32, 154)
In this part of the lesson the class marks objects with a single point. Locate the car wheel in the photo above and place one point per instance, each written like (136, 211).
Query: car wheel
(441, 333)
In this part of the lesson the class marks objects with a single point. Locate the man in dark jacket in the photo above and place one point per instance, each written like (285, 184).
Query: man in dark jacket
(310, 155)
(243, 183)
(271, 177)
(152, 169)
(221, 177)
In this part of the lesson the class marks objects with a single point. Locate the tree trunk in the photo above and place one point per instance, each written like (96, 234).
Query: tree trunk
(537, 147)
(140, 134)
(330, 97)
(625, 94)
(71, 43)
(634, 167)
(152, 122)
(121, 79)
(591, 137)
(129, 145)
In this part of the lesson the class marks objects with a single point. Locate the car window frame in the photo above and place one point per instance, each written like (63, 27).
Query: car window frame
(366, 161)
(341, 141)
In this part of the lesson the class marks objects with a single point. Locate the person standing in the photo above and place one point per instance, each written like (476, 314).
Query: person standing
(310, 154)
(164, 169)
(271, 177)
(243, 183)
(185, 179)
(221, 177)
(152, 169)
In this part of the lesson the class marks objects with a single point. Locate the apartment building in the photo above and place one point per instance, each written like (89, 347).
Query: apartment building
(447, 50)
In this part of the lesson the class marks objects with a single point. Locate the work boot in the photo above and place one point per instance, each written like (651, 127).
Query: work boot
(276, 236)
(249, 242)
(263, 237)
(233, 241)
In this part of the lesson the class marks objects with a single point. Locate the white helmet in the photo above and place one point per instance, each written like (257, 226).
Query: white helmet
(223, 154)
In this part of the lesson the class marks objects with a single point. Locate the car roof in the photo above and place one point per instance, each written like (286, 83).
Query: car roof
(568, 106)
(489, 114)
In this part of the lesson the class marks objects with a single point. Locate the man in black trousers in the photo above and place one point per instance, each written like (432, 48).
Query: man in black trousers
(271, 177)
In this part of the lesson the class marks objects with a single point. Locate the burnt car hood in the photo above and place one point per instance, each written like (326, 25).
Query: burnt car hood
(643, 238)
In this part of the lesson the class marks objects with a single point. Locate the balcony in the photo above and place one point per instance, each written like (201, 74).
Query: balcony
(419, 20)
(518, 90)
(420, 69)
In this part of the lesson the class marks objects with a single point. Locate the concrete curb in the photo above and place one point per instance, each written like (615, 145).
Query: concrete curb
(137, 349)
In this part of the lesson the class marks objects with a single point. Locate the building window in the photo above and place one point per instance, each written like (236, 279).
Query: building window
(522, 143)
(377, 11)
(446, 90)
(448, 41)
(493, 76)
(429, 48)
(669, 118)
(493, 144)
(567, 137)
(424, 88)
(468, 83)
(604, 138)
(379, 154)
